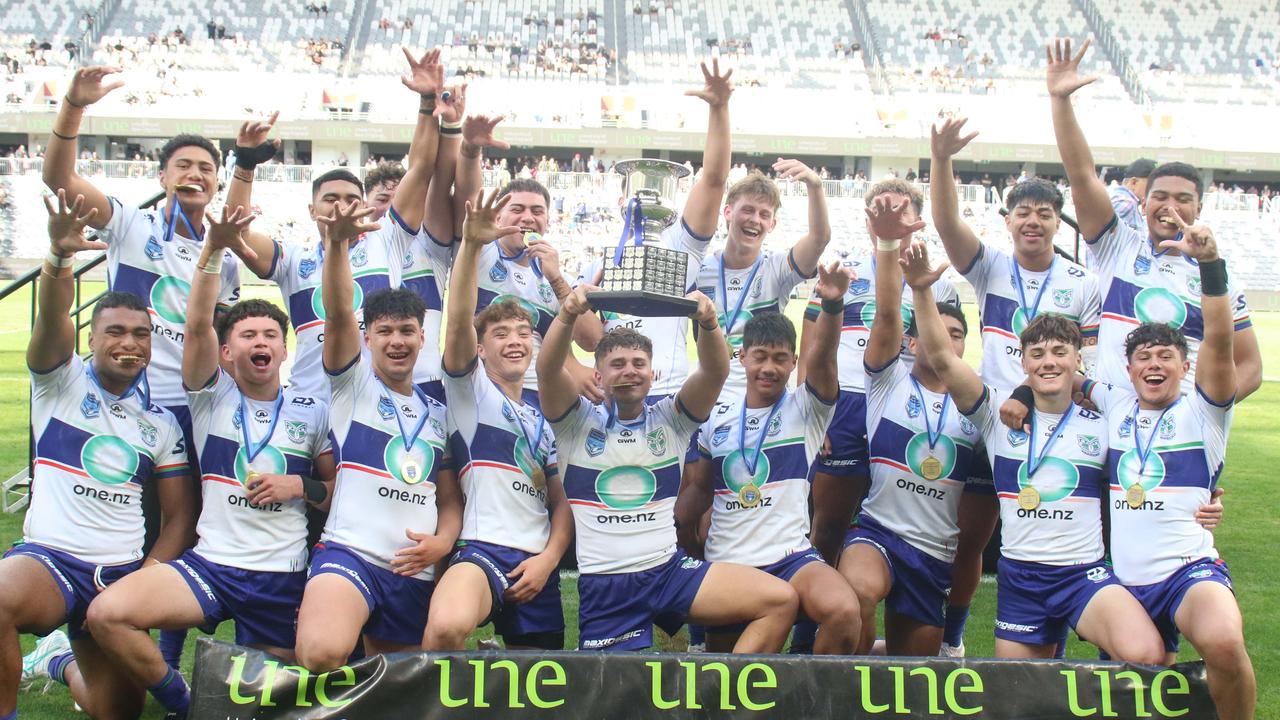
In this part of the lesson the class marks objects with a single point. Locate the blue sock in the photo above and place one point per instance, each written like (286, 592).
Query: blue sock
(172, 692)
(58, 666)
(697, 634)
(802, 636)
(171, 642)
(1061, 650)
(11, 716)
(953, 629)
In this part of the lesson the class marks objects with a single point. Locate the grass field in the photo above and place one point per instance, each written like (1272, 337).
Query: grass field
(1251, 525)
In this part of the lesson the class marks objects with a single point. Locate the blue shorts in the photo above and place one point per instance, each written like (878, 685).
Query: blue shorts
(434, 390)
(784, 570)
(1163, 599)
(919, 582)
(397, 604)
(264, 605)
(79, 581)
(542, 614)
(618, 611)
(848, 435)
(1036, 603)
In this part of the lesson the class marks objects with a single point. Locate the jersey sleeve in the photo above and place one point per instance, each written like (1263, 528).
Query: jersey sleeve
(817, 417)
(787, 277)
(569, 428)
(285, 264)
(1113, 239)
(880, 384)
(1215, 422)
(171, 459)
(980, 269)
(441, 250)
(202, 400)
(52, 383)
(1108, 398)
(229, 293)
(675, 416)
(551, 466)
(679, 237)
(984, 414)
(347, 386)
(463, 392)
(1239, 309)
(1091, 308)
(397, 234)
(323, 442)
(122, 217)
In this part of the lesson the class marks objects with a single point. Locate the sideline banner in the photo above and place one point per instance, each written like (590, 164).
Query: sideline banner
(238, 683)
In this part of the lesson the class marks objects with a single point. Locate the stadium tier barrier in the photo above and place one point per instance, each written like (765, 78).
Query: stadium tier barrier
(232, 681)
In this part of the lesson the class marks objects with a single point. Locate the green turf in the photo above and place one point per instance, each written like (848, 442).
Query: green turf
(1244, 540)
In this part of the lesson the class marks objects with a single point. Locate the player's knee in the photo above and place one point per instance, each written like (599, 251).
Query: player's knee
(840, 608)
(779, 598)
(1141, 650)
(1223, 649)
(445, 631)
(318, 653)
(105, 614)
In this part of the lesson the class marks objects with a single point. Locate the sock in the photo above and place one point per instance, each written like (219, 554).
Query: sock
(697, 634)
(802, 637)
(171, 642)
(11, 716)
(1061, 650)
(172, 692)
(953, 629)
(58, 666)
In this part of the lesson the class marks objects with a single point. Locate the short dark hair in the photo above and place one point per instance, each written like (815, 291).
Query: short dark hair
(117, 299)
(769, 329)
(335, 174)
(1151, 334)
(1177, 169)
(177, 142)
(1037, 191)
(394, 303)
(1140, 168)
(1048, 326)
(623, 337)
(526, 185)
(945, 309)
(249, 309)
(384, 172)
(508, 309)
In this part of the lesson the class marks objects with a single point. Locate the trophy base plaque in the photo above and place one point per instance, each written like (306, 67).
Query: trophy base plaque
(642, 303)
(646, 281)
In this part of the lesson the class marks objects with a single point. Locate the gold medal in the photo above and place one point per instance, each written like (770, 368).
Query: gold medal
(251, 478)
(749, 495)
(539, 477)
(1028, 498)
(1136, 495)
(931, 468)
(411, 471)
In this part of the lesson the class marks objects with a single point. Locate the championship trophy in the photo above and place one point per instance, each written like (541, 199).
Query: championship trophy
(640, 276)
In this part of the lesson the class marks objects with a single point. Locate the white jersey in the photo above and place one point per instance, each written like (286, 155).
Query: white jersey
(1065, 525)
(762, 517)
(425, 270)
(622, 480)
(94, 453)
(271, 537)
(1151, 542)
(900, 416)
(149, 260)
(498, 279)
(1010, 297)
(376, 261)
(1139, 286)
(763, 287)
(497, 445)
(669, 334)
(860, 315)
(382, 490)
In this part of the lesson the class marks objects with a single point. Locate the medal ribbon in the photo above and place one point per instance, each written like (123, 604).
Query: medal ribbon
(632, 229)
(932, 434)
(1144, 453)
(409, 438)
(1034, 461)
(1030, 312)
(252, 450)
(731, 319)
(140, 386)
(754, 462)
(533, 262)
(536, 442)
(170, 226)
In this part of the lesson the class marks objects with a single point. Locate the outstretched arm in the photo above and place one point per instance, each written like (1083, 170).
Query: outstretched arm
(821, 371)
(701, 389)
(958, 238)
(702, 208)
(557, 390)
(1215, 365)
(53, 335)
(889, 229)
(962, 382)
(1088, 194)
(426, 77)
(477, 134)
(88, 86)
(808, 250)
(252, 149)
(478, 230)
(341, 332)
(439, 220)
(200, 349)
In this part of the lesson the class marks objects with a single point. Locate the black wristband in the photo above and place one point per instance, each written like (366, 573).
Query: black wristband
(1213, 278)
(313, 490)
(834, 307)
(250, 158)
(428, 96)
(67, 99)
(450, 130)
(1024, 395)
(63, 137)
(709, 325)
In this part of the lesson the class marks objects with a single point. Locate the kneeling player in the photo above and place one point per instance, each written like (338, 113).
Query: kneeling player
(394, 482)
(516, 523)
(622, 471)
(266, 456)
(755, 458)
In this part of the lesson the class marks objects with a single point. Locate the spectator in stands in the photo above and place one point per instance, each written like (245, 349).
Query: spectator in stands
(1127, 197)
(211, 28)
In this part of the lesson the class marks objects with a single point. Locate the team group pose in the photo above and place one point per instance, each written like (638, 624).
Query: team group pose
(454, 452)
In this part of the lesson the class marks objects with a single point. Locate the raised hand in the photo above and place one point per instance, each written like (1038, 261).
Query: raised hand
(88, 85)
(254, 134)
(477, 130)
(576, 303)
(717, 88)
(66, 226)
(888, 221)
(947, 141)
(706, 310)
(796, 170)
(453, 108)
(227, 233)
(1063, 74)
(426, 75)
(481, 224)
(1196, 241)
(348, 222)
(833, 281)
(916, 270)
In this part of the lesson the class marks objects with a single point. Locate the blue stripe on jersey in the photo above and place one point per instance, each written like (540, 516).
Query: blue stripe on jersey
(997, 312)
(218, 457)
(490, 444)
(133, 280)
(425, 287)
(65, 444)
(1005, 474)
(1122, 299)
(580, 484)
(366, 446)
(786, 462)
(1187, 468)
(302, 304)
(890, 443)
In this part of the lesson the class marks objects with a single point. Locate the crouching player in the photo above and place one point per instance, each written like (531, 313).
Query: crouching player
(516, 523)
(753, 470)
(266, 456)
(622, 464)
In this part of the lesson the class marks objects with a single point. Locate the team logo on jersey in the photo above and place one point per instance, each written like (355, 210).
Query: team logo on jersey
(303, 401)
(1141, 265)
(169, 299)
(386, 409)
(690, 563)
(317, 300)
(268, 462)
(859, 287)
(775, 426)
(595, 442)
(498, 272)
(184, 252)
(147, 432)
(109, 459)
(359, 257)
(90, 406)
(1160, 306)
(756, 289)
(1193, 286)
(1089, 445)
(1167, 429)
(1017, 438)
(153, 249)
(914, 406)
(407, 261)
(1126, 428)
(437, 427)
(967, 427)
(720, 435)
(306, 268)
(626, 488)
(296, 430)
(943, 451)
(236, 419)
(657, 440)
(508, 413)
(116, 409)
(1062, 298)
(1055, 479)
(544, 292)
(262, 416)
(1097, 575)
